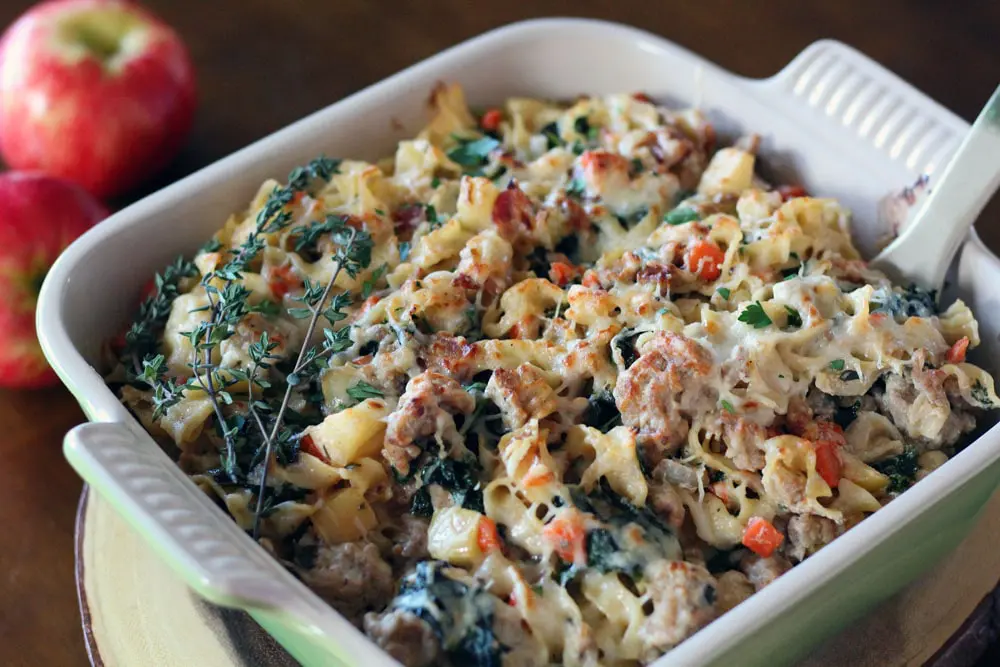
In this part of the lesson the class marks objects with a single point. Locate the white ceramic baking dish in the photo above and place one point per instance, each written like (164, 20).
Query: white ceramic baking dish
(832, 119)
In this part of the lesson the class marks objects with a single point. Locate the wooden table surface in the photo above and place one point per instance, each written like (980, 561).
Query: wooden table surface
(263, 64)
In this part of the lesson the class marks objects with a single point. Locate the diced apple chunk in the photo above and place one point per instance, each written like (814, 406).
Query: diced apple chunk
(344, 516)
(729, 172)
(453, 536)
(349, 435)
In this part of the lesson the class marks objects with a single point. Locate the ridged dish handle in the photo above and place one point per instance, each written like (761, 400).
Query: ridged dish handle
(854, 99)
(208, 550)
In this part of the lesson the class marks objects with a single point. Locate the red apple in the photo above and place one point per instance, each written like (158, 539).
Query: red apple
(97, 91)
(39, 216)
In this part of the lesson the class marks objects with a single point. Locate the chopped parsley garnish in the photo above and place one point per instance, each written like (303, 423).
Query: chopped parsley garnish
(728, 407)
(433, 218)
(681, 215)
(473, 153)
(755, 315)
(724, 292)
(837, 365)
(435, 182)
(576, 188)
(794, 319)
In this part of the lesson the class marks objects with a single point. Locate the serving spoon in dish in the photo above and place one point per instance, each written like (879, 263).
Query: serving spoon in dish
(924, 251)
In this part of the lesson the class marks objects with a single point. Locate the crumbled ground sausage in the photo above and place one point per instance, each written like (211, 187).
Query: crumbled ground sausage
(808, 533)
(683, 596)
(667, 381)
(352, 577)
(426, 408)
(405, 636)
(762, 571)
(522, 394)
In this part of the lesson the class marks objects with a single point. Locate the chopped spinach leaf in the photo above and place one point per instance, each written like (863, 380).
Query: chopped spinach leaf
(602, 551)
(582, 126)
(602, 413)
(461, 615)
(569, 246)
(457, 477)
(421, 504)
(981, 395)
(624, 342)
(551, 134)
(912, 302)
(844, 416)
(901, 470)
(633, 218)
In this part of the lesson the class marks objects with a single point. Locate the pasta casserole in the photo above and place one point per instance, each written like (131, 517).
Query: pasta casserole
(557, 383)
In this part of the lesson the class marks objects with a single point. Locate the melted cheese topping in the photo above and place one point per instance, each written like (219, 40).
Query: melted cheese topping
(628, 342)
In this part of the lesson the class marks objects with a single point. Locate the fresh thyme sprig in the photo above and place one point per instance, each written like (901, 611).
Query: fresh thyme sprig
(228, 305)
(260, 359)
(154, 310)
(352, 256)
(308, 236)
(166, 391)
(274, 215)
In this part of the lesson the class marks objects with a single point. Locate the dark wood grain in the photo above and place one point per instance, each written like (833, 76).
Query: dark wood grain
(263, 64)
